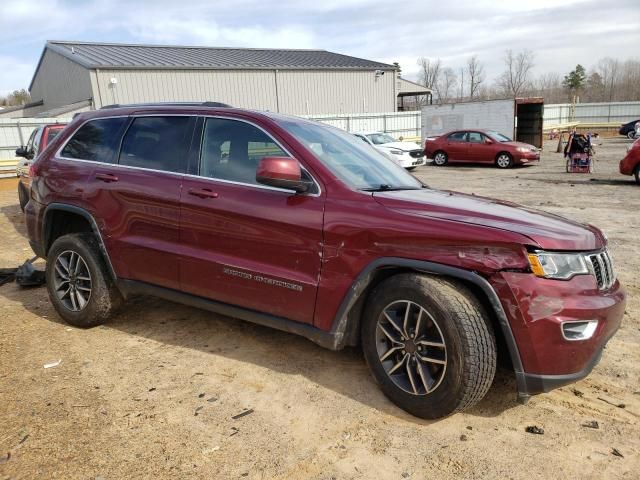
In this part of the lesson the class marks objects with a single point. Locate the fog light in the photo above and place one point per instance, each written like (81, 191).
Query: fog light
(581, 330)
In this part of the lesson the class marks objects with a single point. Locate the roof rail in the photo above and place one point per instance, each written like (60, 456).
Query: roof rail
(169, 104)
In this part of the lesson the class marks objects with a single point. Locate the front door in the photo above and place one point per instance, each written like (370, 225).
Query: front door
(244, 243)
(479, 149)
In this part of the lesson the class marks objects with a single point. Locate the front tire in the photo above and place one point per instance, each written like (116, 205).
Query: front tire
(504, 160)
(440, 158)
(428, 344)
(636, 174)
(79, 286)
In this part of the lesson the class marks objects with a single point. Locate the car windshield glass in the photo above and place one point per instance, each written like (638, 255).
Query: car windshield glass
(350, 159)
(499, 137)
(53, 133)
(380, 138)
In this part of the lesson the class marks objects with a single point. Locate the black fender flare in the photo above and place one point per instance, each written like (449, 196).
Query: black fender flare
(343, 325)
(46, 229)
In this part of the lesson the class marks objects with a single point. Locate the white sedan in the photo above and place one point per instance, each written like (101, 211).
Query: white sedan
(406, 154)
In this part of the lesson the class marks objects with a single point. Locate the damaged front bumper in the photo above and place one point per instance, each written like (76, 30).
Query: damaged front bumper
(539, 311)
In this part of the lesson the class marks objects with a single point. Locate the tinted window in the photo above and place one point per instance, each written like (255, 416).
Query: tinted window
(475, 137)
(231, 150)
(96, 140)
(158, 143)
(457, 137)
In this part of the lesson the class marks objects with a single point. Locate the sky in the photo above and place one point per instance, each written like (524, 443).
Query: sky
(560, 33)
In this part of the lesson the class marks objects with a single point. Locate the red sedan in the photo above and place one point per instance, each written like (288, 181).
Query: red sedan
(630, 165)
(479, 146)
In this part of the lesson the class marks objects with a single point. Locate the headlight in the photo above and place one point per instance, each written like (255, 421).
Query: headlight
(397, 152)
(562, 266)
(523, 149)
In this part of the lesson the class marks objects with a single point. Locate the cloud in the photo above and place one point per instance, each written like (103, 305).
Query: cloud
(561, 35)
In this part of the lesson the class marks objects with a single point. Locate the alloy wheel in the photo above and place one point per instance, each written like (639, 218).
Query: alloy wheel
(440, 159)
(504, 161)
(411, 347)
(72, 280)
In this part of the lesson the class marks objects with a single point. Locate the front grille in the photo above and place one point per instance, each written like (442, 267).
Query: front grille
(416, 153)
(602, 268)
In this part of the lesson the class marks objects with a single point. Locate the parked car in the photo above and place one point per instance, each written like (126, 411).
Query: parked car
(38, 141)
(300, 226)
(479, 146)
(629, 129)
(630, 164)
(406, 154)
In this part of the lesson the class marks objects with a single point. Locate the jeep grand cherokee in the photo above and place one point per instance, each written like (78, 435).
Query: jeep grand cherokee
(303, 227)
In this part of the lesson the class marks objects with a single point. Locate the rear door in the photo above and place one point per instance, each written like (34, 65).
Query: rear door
(244, 243)
(456, 146)
(137, 198)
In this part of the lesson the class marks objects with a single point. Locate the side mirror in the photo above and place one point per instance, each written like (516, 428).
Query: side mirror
(488, 141)
(21, 152)
(282, 172)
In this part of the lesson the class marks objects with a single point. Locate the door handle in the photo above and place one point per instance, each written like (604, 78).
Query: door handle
(203, 193)
(106, 177)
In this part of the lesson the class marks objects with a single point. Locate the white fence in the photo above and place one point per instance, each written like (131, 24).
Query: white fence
(398, 124)
(618, 112)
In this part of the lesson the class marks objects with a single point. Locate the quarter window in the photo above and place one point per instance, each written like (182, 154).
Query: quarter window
(231, 150)
(96, 140)
(157, 143)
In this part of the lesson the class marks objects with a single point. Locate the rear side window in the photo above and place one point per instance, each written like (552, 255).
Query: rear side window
(96, 140)
(157, 143)
(457, 137)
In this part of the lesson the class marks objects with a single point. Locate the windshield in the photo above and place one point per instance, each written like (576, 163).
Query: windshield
(380, 138)
(350, 159)
(498, 136)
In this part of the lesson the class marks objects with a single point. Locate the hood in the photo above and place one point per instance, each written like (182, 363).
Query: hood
(404, 146)
(545, 230)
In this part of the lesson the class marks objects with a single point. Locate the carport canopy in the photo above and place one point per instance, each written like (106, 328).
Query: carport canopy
(411, 91)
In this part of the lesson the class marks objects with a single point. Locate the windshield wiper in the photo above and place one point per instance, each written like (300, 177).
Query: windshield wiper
(385, 187)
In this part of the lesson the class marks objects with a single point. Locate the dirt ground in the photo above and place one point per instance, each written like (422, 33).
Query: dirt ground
(153, 393)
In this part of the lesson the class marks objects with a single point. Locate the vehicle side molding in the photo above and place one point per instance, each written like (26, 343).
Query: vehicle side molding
(343, 325)
(47, 228)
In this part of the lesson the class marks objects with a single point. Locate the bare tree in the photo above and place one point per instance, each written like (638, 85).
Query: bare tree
(445, 87)
(609, 70)
(429, 72)
(475, 70)
(516, 77)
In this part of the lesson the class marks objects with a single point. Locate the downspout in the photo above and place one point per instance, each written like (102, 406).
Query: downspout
(97, 71)
(275, 78)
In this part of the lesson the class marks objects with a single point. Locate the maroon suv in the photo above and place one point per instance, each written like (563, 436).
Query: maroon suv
(302, 227)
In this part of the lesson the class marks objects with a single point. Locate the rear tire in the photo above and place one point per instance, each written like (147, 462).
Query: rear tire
(23, 196)
(440, 158)
(504, 160)
(78, 282)
(637, 174)
(439, 334)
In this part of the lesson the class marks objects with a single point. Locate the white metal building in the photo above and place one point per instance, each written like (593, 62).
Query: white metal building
(303, 82)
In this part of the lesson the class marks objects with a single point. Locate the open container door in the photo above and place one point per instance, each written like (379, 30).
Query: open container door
(529, 112)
